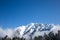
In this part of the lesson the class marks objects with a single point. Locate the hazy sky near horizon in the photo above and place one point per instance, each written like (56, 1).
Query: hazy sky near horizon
(21, 12)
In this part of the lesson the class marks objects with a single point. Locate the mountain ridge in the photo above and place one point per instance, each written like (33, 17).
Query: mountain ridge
(31, 28)
(34, 29)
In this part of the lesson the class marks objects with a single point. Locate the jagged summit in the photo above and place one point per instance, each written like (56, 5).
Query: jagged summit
(33, 27)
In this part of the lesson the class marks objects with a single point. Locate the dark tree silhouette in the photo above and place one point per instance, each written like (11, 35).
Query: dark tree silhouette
(38, 38)
(6, 38)
(50, 36)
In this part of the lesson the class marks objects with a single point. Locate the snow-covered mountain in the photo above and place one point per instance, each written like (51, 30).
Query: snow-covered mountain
(32, 29)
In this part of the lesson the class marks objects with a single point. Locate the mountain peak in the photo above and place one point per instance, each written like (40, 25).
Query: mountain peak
(33, 29)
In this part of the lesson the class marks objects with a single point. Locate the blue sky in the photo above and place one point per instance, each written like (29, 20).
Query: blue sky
(21, 12)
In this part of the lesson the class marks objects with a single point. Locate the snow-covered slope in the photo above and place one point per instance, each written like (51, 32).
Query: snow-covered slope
(36, 29)
(32, 29)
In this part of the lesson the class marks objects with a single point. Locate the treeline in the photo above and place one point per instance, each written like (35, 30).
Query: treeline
(14, 38)
(50, 36)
